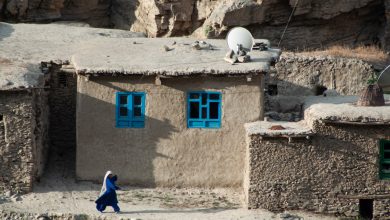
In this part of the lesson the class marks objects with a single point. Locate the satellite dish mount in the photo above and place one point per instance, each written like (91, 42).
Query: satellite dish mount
(240, 42)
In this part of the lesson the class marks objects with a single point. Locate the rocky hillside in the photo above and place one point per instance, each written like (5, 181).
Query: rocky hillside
(315, 24)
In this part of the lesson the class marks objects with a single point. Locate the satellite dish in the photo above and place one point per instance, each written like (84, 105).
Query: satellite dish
(240, 37)
(384, 79)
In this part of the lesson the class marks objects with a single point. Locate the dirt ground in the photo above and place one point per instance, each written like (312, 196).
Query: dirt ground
(63, 195)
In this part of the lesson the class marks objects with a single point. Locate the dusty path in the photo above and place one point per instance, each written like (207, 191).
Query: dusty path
(62, 195)
(57, 192)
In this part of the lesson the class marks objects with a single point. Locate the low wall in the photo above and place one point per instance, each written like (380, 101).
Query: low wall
(327, 174)
(298, 74)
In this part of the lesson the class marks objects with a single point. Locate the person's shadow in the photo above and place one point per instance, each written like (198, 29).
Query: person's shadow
(172, 211)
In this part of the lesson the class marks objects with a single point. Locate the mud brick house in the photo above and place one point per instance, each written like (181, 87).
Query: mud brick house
(23, 125)
(166, 118)
(336, 161)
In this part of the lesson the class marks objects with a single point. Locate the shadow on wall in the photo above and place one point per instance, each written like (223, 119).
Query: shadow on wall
(285, 97)
(5, 30)
(175, 82)
(101, 146)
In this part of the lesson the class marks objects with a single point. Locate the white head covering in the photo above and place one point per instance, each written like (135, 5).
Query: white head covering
(104, 186)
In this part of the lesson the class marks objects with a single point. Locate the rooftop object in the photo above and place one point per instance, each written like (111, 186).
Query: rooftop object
(240, 39)
(372, 95)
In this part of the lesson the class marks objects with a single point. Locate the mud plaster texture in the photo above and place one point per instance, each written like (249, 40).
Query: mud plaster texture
(147, 56)
(24, 139)
(328, 173)
(165, 152)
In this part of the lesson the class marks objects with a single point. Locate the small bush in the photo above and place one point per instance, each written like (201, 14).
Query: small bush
(207, 30)
(371, 54)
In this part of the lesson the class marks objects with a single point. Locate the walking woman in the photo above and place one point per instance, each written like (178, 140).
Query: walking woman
(107, 195)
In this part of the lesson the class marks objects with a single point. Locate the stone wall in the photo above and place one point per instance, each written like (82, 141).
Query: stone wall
(327, 174)
(296, 76)
(24, 139)
(165, 152)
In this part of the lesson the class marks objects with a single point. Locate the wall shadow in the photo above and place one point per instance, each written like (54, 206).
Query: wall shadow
(127, 158)
(5, 30)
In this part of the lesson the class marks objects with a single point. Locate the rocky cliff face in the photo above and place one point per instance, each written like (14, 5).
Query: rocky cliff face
(95, 12)
(314, 24)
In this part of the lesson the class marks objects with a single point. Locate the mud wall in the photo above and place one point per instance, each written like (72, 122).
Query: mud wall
(23, 140)
(327, 174)
(165, 152)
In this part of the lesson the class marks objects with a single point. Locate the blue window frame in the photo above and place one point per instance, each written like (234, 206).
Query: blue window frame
(130, 109)
(204, 109)
(384, 159)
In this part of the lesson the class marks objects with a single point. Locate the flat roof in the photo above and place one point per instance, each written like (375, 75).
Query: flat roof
(336, 109)
(148, 57)
(99, 51)
(25, 46)
(344, 109)
(15, 75)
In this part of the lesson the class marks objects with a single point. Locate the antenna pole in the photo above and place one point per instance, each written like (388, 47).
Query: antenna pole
(383, 71)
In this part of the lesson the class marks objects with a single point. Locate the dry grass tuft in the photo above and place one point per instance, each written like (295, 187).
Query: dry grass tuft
(371, 54)
(5, 61)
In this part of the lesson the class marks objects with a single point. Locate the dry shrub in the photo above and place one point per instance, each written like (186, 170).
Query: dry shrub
(5, 61)
(372, 54)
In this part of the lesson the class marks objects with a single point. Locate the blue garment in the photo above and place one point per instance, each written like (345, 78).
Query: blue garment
(109, 197)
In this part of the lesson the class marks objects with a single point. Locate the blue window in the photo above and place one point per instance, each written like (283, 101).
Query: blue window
(384, 159)
(130, 109)
(204, 110)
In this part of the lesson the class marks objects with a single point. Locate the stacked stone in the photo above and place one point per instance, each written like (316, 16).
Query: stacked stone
(22, 140)
(329, 173)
